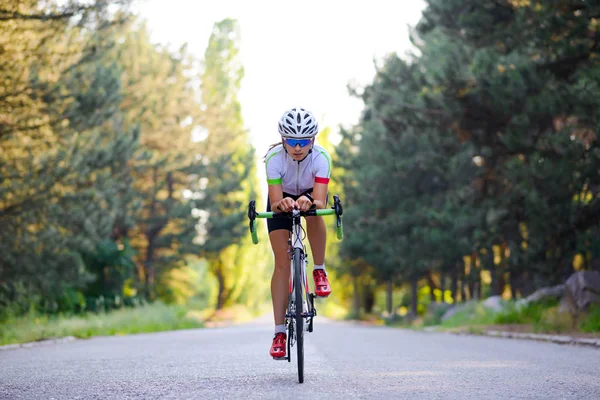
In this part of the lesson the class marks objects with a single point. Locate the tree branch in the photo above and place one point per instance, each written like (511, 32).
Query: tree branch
(6, 15)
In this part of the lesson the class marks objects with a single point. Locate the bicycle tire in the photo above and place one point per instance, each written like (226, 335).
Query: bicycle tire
(290, 336)
(298, 286)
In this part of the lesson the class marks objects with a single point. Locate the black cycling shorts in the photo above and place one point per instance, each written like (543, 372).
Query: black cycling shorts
(274, 224)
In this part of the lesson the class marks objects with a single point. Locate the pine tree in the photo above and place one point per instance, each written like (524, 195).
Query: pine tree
(230, 172)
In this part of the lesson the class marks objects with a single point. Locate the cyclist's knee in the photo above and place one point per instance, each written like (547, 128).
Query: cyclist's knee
(282, 257)
(282, 263)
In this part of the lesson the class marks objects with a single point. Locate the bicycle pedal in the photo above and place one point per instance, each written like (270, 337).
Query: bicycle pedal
(280, 358)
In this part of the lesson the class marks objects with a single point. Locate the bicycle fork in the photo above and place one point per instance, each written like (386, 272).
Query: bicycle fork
(308, 310)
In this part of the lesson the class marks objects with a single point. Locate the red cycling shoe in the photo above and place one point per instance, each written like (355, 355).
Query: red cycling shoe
(278, 346)
(322, 288)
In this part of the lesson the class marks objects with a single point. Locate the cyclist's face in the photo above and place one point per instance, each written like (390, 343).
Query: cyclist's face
(296, 150)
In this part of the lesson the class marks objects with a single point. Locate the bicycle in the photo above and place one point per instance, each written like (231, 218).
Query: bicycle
(301, 309)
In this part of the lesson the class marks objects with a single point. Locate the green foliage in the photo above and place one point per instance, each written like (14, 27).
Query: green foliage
(228, 180)
(100, 163)
(591, 322)
(531, 313)
(482, 140)
(434, 314)
(150, 318)
(473, 313)
(60, 150)
(112, 265)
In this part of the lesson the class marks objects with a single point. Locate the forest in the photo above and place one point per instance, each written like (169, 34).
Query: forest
(126, 168)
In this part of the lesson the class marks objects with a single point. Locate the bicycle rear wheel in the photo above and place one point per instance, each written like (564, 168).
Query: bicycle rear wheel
(298, 291)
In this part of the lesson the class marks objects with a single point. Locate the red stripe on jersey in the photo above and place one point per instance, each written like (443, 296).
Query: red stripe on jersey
(321, 180)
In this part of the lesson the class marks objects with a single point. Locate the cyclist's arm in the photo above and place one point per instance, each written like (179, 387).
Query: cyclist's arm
(278, 203)
(319, 194)
(275, 196)
(322, 173)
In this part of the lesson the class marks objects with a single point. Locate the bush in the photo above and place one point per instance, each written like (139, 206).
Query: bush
(554, 321)
(435, 312)
(472, 313)
(149, 318)
(591, 323)
(532, 313)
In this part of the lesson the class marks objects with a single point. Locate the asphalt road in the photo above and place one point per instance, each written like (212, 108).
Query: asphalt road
(343, 360)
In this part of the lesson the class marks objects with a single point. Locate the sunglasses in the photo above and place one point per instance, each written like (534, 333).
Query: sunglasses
(295, 142)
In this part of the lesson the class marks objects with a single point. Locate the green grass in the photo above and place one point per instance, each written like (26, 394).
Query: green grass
(474, 314)
(543, 317)
(150, 318)
(591, 323)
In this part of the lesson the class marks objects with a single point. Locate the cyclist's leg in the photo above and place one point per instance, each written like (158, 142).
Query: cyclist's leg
(279, 230)
(281, 274)
(317, 237)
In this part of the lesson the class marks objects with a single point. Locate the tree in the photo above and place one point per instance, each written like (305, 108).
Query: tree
(158, 99)
(229, 179)
(58, 140)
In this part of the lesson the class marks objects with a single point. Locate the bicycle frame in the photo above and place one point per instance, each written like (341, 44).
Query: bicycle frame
(299, 295)
(296, 243)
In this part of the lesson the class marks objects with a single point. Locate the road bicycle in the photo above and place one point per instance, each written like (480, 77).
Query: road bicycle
(300, 313)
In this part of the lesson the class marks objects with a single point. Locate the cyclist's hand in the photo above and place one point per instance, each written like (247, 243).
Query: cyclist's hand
(304, 203)
(287, 204)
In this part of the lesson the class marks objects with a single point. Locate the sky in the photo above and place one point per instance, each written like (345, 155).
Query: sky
(302, 53)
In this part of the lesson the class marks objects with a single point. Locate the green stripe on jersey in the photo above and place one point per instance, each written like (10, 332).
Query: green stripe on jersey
(328, 163)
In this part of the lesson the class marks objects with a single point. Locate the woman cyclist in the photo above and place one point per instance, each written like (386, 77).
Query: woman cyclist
(298, 173)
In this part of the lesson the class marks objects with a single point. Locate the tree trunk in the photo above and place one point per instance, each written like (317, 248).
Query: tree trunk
(463, 290)
(149, 270)
(221, 293)
(470, 280)
(369, 299)
(443, 284)
(388, 298)
(488, 263)
(514, 239)
(476, 279)
(513, 280)
(414, 298)
(463, 282)
(502, 267)
(501, 283)
(432, 287)
(356, 297)
(454, 283)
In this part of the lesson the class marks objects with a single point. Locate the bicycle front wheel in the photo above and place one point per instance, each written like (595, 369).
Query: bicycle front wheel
(298, 292)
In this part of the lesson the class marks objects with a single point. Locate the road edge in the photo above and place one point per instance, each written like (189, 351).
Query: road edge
(44, 342)
(559, 339)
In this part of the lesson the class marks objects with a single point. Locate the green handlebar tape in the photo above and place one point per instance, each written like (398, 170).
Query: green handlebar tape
(325, 211)
(319, 212)
(340, 231)
(264, 215)
(254, 233)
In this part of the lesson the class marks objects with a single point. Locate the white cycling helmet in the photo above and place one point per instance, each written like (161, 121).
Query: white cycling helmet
(298, 123)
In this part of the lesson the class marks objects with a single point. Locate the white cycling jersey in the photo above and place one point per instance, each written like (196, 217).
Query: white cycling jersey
(297, 177)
